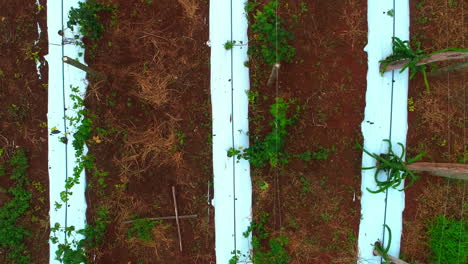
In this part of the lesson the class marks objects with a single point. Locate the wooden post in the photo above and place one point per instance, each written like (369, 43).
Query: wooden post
(391, 259)
(443, 56)
(450, 68)
(177, 218)
(83, 67)
(273, 74)
(448, 170)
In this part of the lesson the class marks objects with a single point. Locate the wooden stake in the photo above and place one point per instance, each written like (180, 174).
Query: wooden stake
(177, 217)
(273, 74)
(443, 56)
(450, 68)
(163, 218)
(448, 170)
(83, 67)
(391, 259)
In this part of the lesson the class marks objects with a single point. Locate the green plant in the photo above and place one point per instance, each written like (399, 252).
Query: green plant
(12, 235)
(383, 252)
(263, 185)
(73, 251)
(391, 13)
(271, 39)
(306, 186)
(86, 16)
(448, 240)
(321, 154)
(229, 44)
(141, 229)
(271, 148)
(403, 51)
(411, 106)
(393, 165)
(275, 253)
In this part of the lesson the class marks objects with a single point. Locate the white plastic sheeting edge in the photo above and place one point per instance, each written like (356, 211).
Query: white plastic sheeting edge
(385, 117)
(229, 83)
(62, 156)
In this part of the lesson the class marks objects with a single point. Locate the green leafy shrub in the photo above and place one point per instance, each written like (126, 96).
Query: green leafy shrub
(271, 148)
(141, 229)
(74, 251)
(270, 38)
(12, 235)
(86, 16)
(448, 240)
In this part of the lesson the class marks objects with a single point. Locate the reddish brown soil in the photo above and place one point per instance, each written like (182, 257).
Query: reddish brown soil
(316, 209)
(436, 126)
(23, 104)
(158, 40)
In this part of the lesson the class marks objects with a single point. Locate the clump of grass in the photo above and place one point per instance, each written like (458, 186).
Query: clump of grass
(394, 166)
(448, 240)
(153, 146)
(12, 234)
(153, 87)
(271, 39)
(142, 229)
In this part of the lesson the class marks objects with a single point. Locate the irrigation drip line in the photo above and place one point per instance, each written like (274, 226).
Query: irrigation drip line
(64, 120)
(232, 134)
(464, 141)
(448, 140)
(390, 136)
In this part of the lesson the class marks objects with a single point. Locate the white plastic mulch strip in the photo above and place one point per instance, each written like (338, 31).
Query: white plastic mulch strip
(62, 156)
(38, 63)
(385, 117)
(229, 83)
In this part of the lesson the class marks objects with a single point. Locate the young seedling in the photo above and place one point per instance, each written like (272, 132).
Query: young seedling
(395, 167)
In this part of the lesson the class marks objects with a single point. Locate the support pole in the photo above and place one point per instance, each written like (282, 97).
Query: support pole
(273, 74)
(83, 67)
(391, 259)
(448, 170)
(450, 68)
(443, 56)
(177, 218)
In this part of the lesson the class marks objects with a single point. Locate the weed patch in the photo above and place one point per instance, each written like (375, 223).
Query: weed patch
(448, 240)
(141, 229)
(271, 39)
(271, 148)
(12, 234)
(275, 253)
(87, 18)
